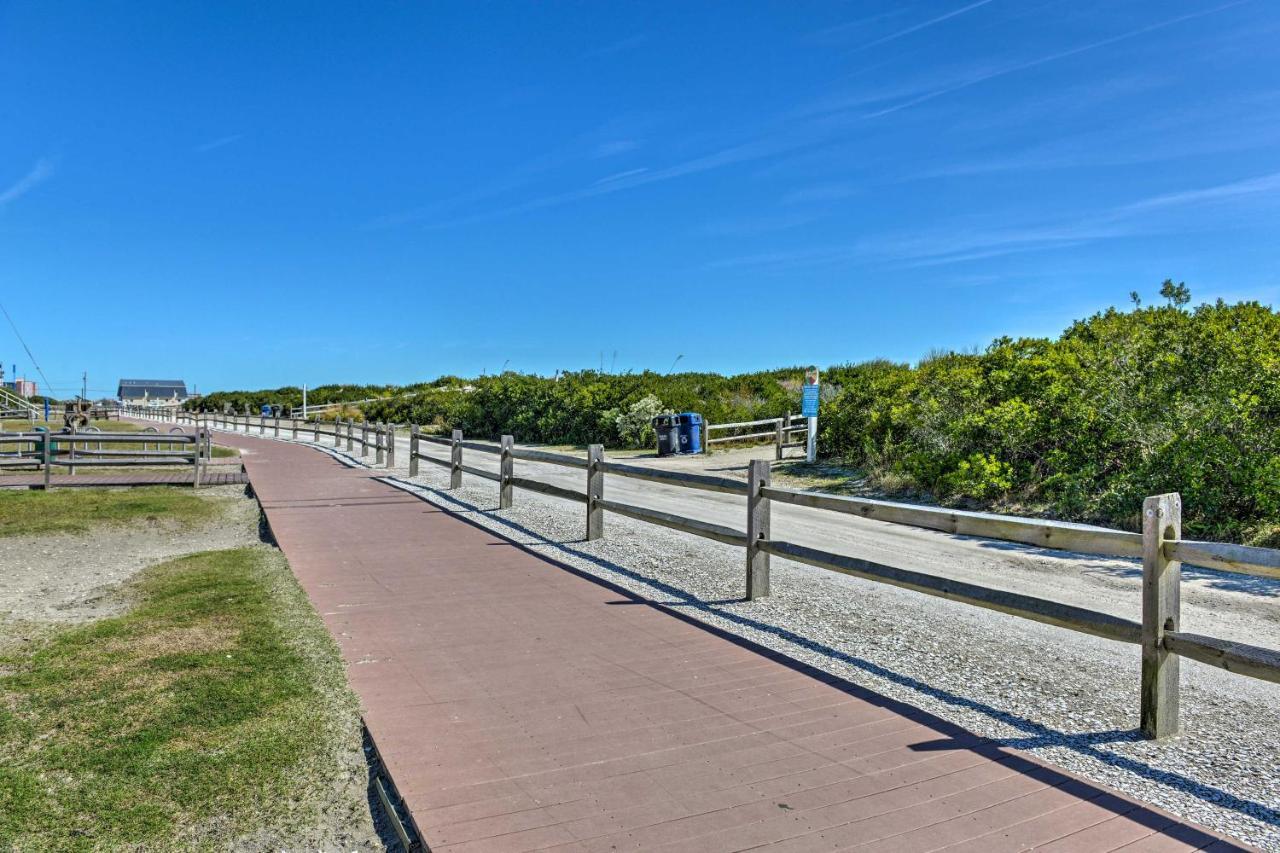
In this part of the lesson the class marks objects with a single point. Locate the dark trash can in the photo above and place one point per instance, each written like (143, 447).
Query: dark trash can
(689, 427)
(668, 435)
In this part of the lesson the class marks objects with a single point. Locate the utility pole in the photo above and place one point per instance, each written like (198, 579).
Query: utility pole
(304, 402)
(84, 385)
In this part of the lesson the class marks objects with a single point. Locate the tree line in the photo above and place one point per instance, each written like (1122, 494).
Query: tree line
(1121, 405)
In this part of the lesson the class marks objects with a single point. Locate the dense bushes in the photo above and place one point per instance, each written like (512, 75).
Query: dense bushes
(1122, 405)
(586, 406)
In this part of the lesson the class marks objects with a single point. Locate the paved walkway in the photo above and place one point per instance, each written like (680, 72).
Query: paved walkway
(521, 706)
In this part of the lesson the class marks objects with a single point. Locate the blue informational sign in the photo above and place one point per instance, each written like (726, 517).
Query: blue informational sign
(809, 401)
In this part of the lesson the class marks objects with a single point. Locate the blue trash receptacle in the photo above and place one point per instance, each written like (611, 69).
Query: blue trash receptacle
(668, 435)
(689, 427)
(265, 410)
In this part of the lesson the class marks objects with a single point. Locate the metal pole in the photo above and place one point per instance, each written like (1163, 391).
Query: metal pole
(811, 449)
(304, 402)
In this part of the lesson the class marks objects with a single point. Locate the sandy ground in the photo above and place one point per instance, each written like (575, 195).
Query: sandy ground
(74, 577)
(57, 579)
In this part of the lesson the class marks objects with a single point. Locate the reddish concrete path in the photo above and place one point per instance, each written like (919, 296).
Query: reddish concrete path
(521, 706)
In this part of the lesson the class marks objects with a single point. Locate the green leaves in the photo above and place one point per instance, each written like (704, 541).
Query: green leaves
(1122, 405)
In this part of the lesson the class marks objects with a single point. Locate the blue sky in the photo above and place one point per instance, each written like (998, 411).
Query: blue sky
(252, 194)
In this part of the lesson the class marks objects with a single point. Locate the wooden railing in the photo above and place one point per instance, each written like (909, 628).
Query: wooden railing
(1160, 546)
(780, 431)
(44, 451)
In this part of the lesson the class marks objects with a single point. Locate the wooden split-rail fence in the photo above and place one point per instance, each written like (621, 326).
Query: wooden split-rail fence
(1160, 545)
(44, 451)
(780, 431)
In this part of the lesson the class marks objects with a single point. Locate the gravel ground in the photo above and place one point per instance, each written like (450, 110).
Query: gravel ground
(1069, 698)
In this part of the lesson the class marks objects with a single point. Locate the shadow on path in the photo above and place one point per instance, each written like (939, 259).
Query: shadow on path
(1036, 735)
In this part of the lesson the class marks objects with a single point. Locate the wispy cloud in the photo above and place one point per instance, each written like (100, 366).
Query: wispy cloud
(832, 191)
(40, 172)
(614, 147)
(806, 129)
(1262, 185)
(965, 83)
(618, 176)
(840, 33)
(956, 244)
(215, 144)
(924, 25)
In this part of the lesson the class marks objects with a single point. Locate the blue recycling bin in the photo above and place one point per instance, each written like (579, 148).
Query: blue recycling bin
(265, 410)
(689, 428)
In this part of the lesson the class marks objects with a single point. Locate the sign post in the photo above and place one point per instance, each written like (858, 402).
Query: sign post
(809, 404)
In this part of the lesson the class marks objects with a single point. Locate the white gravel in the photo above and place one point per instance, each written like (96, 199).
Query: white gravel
(1068, 698)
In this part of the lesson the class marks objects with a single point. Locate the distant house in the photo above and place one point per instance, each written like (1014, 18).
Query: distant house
(140, 390)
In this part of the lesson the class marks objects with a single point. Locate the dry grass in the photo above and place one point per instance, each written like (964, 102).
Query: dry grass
(213, 711)
(27, 513)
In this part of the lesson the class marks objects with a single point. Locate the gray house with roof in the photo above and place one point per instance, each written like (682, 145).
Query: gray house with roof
(139, 390)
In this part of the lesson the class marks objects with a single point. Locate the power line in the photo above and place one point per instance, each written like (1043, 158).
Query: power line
(22, 341)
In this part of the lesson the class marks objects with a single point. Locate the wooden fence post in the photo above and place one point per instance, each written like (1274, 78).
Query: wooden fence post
(262, 424)
(778, 439)
(351, 434)
(413, 450)
(337, 433)
(391, 444)
(277, 428)
(364, 438)
(315, 430)
(706, 437)
(197, 442)
(293, 422)
(455, 460)
(506, 470)
(45, 451)
(1161, 597)
(380, 453)
(595, 492)
(757, 529)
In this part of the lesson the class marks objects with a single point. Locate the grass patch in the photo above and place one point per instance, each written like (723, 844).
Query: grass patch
(56, 424)
(220, 452)
(28, 513)
(213, 710)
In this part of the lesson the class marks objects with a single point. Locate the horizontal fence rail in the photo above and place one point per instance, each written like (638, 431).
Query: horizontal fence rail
(705, 482)
(45, 451)
(779, 432)
(1160, 545)
(1059, 535)
(1016, 604)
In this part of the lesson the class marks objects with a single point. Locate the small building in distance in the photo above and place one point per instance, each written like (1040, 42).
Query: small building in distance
(152, 391)
(21, 387)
